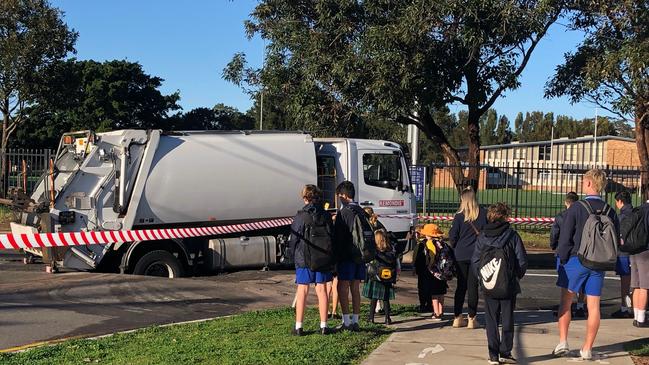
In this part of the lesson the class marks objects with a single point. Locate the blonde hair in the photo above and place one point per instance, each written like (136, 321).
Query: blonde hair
(382, 240)
(598, 178)
(372, 218)
(469, 205)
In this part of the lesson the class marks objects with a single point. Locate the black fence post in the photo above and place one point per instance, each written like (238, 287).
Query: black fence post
(518, 187)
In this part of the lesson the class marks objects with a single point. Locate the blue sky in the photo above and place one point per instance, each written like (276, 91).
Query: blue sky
(188, 43)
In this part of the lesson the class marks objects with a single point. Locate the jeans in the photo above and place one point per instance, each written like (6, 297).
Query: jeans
(466, 281)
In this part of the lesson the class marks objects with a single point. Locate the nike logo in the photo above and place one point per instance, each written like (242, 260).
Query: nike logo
(489, 273)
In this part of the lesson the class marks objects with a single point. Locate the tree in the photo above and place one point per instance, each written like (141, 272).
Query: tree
(339, 63)
(220, 117)
(503, 131)
(32, 36)
(488, 126)
(609, 68)
(78, 95)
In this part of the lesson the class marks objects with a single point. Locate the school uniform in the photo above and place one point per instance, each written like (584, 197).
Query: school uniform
(375, 289)
(623, 263)
(424, 278)
(343, 244)
(296, 246)
(500, 234)
(578, 277)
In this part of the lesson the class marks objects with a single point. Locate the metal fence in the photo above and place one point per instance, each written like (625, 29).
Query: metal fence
(25, 167)
(532, 190)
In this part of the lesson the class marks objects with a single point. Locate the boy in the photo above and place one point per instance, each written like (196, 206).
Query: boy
(350, 273)
(579, 277)
(640, 279)
(498, 234)
(623, 264)
(571, 197)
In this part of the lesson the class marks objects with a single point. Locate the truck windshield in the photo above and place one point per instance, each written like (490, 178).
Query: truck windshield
(382, 170)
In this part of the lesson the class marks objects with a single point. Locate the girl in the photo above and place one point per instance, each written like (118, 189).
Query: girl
(467, 224)
(437, 282)
(424, 276)
(381, 275)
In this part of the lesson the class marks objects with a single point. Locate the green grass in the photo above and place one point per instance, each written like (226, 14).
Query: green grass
(6, 215)
(638, 347)
(261, 337)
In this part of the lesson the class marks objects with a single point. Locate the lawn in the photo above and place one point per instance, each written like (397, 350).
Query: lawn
(261, 337)
(640, 349)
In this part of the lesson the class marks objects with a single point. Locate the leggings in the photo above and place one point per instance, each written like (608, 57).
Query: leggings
(386, 305)
(466, 280)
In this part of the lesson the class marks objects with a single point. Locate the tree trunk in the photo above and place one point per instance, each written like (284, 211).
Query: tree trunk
(474, 147)
(4, 172)
(642, 144)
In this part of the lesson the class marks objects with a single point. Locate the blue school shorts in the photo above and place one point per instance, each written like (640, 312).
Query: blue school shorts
(351, 271)
(580, 278)
(623, 266)
(561, 271)
(303, 275)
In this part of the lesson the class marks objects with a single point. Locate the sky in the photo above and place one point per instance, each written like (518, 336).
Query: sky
(188, 43)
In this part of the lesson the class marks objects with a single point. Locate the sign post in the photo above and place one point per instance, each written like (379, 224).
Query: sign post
(418, 176)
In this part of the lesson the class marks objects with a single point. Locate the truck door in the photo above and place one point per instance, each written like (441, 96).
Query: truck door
(384, 186)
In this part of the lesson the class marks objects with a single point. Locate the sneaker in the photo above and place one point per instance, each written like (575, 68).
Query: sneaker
(493, 361)
(298, 332)
(586, 354)
(580, 313)
(644, 324)
(561, 350)
(459, 321)
(354, 327)
(473, 323)
(507, 359)
(436, 318)
(622, 314)
(326, 331)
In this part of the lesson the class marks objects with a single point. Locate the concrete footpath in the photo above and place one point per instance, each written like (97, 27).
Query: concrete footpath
(419, 341)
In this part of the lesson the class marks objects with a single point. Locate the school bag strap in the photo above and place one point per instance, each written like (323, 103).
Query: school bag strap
(475, 230)
(590, 210)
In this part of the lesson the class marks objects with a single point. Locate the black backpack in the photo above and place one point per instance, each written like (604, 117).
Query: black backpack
(318, 245)
(496, 271)
(633, 232)
(383, 268)
(362, 237)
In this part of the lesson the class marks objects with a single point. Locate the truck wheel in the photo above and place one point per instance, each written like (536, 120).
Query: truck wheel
(159, 263)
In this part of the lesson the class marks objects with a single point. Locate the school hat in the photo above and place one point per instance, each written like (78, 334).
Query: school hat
(432, 230)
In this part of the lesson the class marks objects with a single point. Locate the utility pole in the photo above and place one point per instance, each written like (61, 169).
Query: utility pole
(595, 140)
(261, 111)
(413, 139)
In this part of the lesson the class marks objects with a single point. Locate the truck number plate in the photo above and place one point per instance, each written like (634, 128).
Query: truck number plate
(391, 203)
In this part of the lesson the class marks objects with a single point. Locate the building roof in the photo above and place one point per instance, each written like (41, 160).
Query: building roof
(558, 141)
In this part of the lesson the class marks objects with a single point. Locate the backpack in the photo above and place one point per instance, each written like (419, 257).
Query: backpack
(443, 267)
(599, 240)
(383, 268)
(633, 232)
(318, 245)
(363, 238)
(496, 271)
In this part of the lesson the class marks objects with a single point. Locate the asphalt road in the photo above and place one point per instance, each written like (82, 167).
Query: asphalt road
(35, 306)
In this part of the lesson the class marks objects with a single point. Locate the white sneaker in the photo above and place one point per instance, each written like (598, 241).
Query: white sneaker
(561, 350)
(586, 354)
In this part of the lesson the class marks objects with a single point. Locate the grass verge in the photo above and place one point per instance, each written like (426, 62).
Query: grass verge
(261, 337)
(638, 347)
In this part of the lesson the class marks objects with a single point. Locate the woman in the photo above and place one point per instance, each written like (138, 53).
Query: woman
(314, 217)
(467, 223)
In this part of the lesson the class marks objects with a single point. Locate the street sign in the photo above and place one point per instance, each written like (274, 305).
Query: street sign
(418, 181)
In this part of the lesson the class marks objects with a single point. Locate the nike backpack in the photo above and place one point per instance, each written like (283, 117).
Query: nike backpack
(633, 232)
(496, 271)
(599, 240)
(318, 248)
(363, 238)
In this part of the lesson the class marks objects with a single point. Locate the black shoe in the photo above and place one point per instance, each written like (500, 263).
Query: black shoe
(354, 327)
(370, 319)
(644, 324)
(622, 314)
(298, 332)
(388, 320)
(507, 359)
(326, 331)
(580, 313)
(493, 361)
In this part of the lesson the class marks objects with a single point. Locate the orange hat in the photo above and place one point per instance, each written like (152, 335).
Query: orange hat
(432, 230)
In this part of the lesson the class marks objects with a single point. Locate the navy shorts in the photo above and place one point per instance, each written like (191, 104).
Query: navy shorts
(623, 266)
(561, 271)
(351, 271)
(580, 278)
(305, 276)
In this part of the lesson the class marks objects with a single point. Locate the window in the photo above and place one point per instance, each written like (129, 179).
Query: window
(327, 179)
(382, 170)
(544, 152)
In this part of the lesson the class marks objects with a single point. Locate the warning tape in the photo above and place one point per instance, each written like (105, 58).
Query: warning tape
(64, 239)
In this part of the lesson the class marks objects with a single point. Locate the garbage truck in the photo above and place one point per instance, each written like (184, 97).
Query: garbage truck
(145, 179)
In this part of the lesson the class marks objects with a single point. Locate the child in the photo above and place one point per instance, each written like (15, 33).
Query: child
(381, 275)
(424, 276)
(499, 262)
(437, 255)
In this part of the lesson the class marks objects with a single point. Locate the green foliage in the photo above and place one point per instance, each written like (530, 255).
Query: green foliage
(220, 117)
(32, 37)
(261, 337)
(494, 130)
(79, 95)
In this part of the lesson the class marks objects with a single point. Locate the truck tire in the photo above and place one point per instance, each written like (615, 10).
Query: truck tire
(159, 263)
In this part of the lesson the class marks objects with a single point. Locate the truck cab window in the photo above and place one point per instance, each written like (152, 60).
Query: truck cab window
(382, 170)
(327, 179)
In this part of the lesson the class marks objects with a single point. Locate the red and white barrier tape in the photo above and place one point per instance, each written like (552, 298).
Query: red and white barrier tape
(63, 239)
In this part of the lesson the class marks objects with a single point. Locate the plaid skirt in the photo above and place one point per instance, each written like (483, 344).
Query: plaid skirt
(373, 289)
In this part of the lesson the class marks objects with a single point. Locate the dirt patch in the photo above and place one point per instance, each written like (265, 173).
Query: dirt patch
(640, 360)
